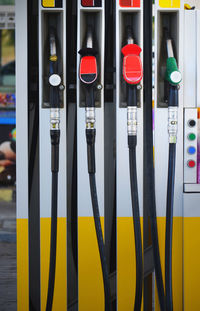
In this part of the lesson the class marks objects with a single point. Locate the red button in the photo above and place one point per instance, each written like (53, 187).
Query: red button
(191, 163)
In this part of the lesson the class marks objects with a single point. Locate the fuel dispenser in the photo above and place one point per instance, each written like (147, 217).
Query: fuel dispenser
(129, 214)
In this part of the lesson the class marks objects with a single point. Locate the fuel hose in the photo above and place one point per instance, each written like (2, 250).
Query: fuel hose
(173, 77)
(88, 75)
(54, 83)
(132, 74)
(149, 178)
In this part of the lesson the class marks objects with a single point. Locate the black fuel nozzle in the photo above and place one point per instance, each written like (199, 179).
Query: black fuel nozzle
(54, 81)
(54, 77)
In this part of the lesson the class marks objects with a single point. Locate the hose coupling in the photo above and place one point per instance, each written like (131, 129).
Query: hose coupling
(90, 117)
(132, 121)
(55, 118)
(173, 124)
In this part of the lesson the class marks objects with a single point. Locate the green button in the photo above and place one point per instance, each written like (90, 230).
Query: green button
(191, 136)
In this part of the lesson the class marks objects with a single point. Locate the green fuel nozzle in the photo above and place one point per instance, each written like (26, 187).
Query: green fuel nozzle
(173, 74)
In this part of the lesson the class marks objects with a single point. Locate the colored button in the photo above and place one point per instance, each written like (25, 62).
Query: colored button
(191, 163)
(191, 123)
(191, 150)
(191, 136)
(130, 3)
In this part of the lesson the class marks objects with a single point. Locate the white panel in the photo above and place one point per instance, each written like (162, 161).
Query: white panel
(22, 109)
(84, 198)
(45, 143)
(124, 206)
(192, 188)
(191, 205)
(190, 59)
(190, 174)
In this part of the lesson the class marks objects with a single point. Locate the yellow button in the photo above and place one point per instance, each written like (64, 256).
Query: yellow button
(170, 3)
(48, 3)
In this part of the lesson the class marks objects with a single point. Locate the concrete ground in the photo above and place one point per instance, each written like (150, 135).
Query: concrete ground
(8, 269)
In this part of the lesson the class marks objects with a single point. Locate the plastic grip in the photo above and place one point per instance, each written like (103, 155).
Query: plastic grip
(90, 137)
(55, 141)
(173, 74)
(132, 142)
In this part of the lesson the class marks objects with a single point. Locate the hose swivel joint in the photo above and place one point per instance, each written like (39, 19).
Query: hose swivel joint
(132, 121)
(90, 118)
(55, 119)
(173, 124)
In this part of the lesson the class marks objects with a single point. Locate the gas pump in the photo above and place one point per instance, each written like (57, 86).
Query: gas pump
(52, 172)
(132, 73)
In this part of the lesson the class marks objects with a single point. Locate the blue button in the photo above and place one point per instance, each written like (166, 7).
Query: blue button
(191, 150)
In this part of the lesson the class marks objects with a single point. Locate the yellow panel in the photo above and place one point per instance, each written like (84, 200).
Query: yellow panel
(48, 3)
(126, 263)
(60, 292)
(91, 292)
(191, 263)
(22, 265)
(177, 260)
(170, 3)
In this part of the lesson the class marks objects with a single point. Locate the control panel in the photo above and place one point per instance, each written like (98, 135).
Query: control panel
(190, 148)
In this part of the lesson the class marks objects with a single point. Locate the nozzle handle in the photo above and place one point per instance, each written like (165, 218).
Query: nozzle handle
(173, 75)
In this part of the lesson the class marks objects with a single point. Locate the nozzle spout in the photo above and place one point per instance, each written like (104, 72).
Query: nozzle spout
(129, 35)
(52, 43)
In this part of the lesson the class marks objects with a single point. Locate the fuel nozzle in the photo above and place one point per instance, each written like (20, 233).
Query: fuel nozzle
(173, 78)
(88, 65)
(54, 82)
(132, 65)
(132, 74)
(173, 75)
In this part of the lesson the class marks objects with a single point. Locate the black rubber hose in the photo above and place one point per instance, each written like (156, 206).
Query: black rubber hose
(101, 245)
(169, 226)
(90, 138)
(137, 229)
(52, 266)
(149, 177)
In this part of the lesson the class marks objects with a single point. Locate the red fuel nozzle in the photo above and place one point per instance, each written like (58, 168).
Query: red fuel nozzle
(88, 69)
(132, 64)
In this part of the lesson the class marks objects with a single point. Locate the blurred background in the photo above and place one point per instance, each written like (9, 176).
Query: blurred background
(8, 282)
